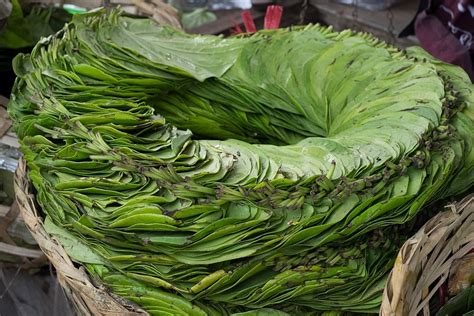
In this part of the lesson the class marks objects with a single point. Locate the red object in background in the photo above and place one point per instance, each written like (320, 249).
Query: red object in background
(273, 17)
(236, 30)
(272, 20)
(248, 22)
(445, 29)
(442, 293)
(443, 289)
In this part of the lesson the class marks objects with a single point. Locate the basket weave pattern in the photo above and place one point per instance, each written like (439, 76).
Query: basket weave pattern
(425, 261)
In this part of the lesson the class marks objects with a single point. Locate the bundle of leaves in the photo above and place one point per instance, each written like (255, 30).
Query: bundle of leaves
(203, 175)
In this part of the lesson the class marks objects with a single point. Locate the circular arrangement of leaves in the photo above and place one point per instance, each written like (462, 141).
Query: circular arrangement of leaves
(201, 175)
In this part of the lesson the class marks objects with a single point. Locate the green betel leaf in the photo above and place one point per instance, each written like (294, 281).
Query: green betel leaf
(73, 245)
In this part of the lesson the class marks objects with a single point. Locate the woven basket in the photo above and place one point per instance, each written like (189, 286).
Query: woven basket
(429, 259)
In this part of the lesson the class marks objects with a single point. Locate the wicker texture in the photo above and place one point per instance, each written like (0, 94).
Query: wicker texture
(425, 261)
(87, 298)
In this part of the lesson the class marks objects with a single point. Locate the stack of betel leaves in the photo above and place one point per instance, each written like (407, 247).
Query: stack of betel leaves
(203, 175)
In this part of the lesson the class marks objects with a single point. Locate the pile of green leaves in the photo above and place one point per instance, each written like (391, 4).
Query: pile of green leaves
(203, 175)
